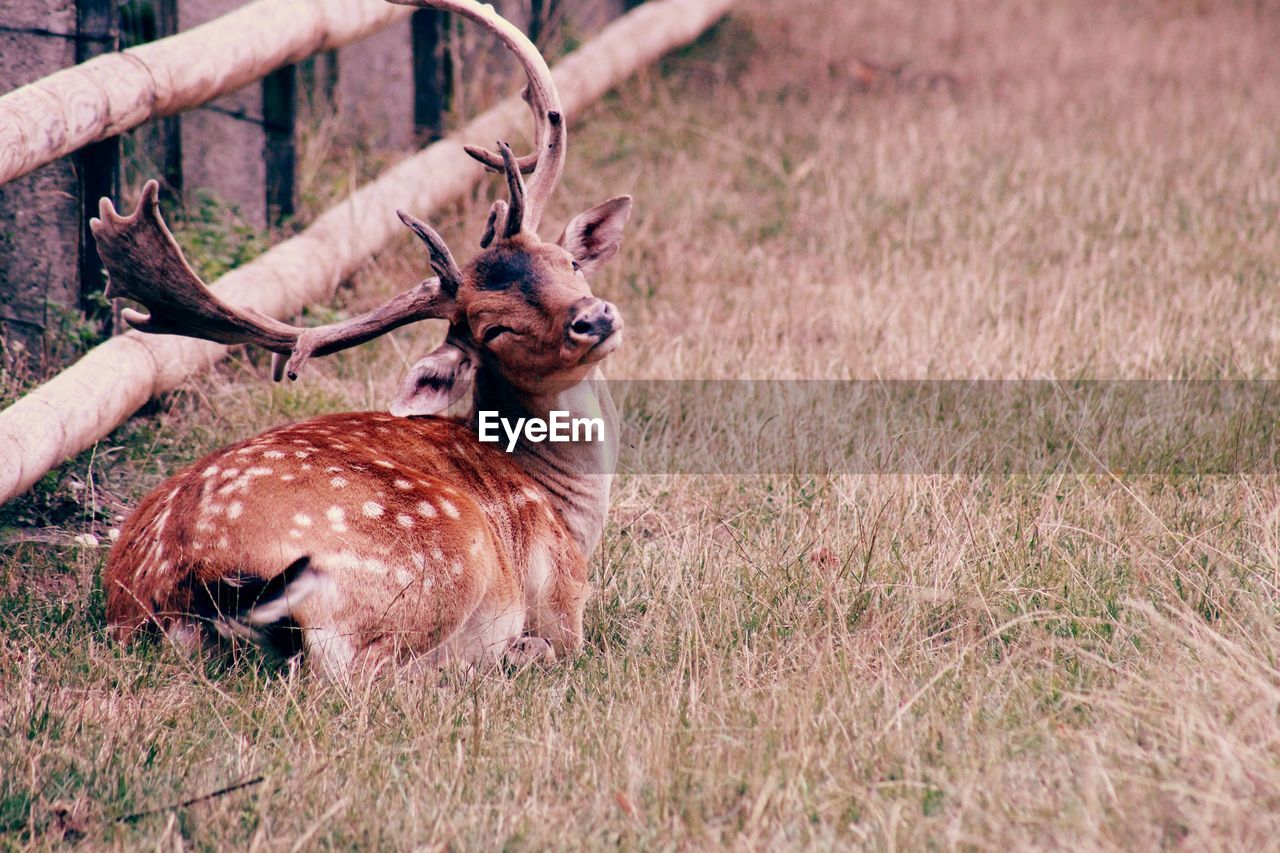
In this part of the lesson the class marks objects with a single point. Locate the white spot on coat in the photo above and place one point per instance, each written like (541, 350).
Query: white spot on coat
(302, 520)
(449, 509)
(372, 509)
(404, 520)
(338, 482)
(426, 509)
(337, 519)
(234, 509)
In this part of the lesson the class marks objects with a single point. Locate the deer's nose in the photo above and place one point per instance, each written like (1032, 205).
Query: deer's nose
(593, 322)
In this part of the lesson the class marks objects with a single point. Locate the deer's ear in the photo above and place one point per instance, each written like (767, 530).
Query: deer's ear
(436, 382)
(593, 237)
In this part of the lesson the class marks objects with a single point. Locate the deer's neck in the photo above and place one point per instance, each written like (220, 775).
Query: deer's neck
(576, 475)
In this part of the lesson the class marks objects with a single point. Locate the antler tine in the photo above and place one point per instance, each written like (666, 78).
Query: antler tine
(547, 161)
(441, 258)
(497, 222)
(515, 186)
(427, 301)
(146, 265)
(493, 162)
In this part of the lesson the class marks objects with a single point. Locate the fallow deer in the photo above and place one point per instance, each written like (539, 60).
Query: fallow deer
(368, 538)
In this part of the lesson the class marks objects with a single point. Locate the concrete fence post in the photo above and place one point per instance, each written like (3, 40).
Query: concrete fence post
(223, 141)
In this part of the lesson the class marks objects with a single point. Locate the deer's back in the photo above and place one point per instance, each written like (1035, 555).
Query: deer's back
(413, 508)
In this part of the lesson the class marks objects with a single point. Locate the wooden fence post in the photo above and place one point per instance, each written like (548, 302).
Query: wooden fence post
(432, 74)
(153, 150)
(170, 127)
(542, 18)
(279, 126)
(98, 165)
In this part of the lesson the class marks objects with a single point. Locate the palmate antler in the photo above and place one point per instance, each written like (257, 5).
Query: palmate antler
(146, 265)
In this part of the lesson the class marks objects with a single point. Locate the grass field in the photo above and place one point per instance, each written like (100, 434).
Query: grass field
(824, 190)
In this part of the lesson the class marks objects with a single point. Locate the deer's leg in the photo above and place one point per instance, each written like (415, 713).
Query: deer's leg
(557, 591)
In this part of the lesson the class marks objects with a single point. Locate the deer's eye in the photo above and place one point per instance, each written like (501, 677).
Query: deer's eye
(576, 266)
(494, 332)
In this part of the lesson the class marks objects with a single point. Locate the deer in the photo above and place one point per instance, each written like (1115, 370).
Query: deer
(366, 540)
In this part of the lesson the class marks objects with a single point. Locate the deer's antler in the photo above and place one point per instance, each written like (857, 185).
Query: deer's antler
(547, 160)
(145, 264)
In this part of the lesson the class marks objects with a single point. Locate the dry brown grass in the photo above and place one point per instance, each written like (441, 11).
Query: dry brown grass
(1025, 189)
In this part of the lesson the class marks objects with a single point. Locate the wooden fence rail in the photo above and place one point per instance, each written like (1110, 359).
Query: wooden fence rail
(91, 398)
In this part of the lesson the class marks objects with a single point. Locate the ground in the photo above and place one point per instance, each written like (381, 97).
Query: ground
(998, 189)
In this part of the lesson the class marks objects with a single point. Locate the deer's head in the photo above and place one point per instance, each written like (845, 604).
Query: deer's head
(523, 307)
